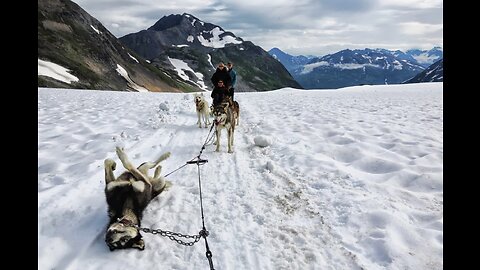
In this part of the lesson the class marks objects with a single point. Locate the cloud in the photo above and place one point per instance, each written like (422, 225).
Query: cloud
(313, 27)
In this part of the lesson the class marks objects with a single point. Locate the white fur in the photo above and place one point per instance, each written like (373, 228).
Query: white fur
(203, 110)
(138, 186)
(115, 184)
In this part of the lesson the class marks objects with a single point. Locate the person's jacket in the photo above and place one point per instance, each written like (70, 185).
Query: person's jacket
(221, 75)
(218, 94)
(233, 76)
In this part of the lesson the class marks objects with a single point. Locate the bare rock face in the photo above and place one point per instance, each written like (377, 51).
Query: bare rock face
(202, 45)
(69, 37)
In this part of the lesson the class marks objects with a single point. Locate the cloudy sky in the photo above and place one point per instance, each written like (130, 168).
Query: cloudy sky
(309, 27)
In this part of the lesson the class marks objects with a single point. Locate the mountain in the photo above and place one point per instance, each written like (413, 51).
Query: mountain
(69, 38)
(351, 67)
(193, 47)
(433, 73)
(357, 67)
(424, 57)
(289, 61)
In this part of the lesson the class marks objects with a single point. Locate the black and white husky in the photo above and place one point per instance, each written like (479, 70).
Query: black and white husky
(127, 196)
(203, 110)
(224, 118)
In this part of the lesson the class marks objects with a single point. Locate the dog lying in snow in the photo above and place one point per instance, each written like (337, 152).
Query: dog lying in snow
(127, 196)
(203, 110)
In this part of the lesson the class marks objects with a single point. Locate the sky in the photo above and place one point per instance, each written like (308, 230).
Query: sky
(320, 179)
(307, 27)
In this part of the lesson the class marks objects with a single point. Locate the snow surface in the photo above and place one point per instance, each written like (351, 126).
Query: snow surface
(181, 67)
(216, 41)
(55, 71)
(352, 179)
(135, 59)
(95, 29)
(210, 61)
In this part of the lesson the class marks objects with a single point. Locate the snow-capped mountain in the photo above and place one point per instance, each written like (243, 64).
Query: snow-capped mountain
(433, 73)
(357, 67)
(76, 51)
(290, 62)
(352, 67)
(194, 47)
(426, 57)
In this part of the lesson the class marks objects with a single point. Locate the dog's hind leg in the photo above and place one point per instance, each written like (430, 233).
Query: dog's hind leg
(158, 181)
(206, 115)
(129, 166)
(110, 166)
(230, 139)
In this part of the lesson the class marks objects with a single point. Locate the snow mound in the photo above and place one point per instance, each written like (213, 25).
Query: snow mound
(262, 141)
(163, 106)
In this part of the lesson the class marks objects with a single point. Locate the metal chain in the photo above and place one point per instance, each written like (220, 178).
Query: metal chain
(203, 233)
(172, 235)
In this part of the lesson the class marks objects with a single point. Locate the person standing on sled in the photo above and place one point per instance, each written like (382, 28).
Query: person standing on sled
(233, 76)
(221, 74)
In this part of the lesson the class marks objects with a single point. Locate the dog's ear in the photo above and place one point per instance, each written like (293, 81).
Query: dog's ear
(140, 244)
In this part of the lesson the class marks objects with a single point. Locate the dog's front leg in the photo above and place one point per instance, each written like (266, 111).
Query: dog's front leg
(230, 139)
(199, 122)
(110, 166)
(129, 166)
(218, 132)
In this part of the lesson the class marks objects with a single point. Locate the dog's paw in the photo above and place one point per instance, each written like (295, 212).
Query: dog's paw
(165, 155)
(109, 163)
(140, 244)
(119, 150)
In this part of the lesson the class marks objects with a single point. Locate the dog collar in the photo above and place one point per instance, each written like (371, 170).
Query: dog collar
(126, 222)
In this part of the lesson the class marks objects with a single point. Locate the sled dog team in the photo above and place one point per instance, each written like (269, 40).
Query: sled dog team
(225, 116)
(130, 193)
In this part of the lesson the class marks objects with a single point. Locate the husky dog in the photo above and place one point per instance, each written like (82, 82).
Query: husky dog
(203, 110)
(224, 117)
(127, 196)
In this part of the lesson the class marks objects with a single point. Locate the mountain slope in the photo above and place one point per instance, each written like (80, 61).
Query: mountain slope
(426, 57)
(289, 61)
(199, 46)
(69, 37)
(433, 73)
